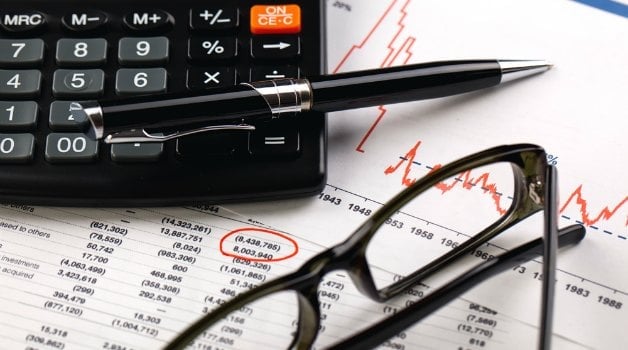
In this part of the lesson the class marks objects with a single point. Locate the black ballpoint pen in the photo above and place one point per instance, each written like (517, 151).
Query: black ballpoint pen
(143, 118)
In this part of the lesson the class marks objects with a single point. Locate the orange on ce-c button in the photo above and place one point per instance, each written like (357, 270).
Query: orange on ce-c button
(276, 19)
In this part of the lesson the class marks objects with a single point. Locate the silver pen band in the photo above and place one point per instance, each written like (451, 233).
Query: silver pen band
(284, 95)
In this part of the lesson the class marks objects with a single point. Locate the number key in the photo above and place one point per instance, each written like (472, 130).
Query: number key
(141, 81)
(61, 117)
(81, 51)
(18, 115)
(143, 50)
(23, 52)
(20, 83)
(70, 148)
(84, 83)
(16, 148)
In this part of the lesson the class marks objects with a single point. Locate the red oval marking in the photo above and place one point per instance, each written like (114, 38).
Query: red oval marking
(289, 240)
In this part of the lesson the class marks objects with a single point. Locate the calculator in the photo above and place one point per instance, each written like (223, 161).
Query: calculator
(56, 54)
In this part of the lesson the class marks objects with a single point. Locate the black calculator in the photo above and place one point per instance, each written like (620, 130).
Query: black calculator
(55, 54)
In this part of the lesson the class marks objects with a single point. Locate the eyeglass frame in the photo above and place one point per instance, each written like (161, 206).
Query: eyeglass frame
(534, 187)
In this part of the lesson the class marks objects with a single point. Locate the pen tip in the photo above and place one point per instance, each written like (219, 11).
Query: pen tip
(516, 69)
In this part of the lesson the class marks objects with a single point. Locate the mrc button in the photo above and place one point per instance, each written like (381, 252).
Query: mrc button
(22, 21)
(276, 19)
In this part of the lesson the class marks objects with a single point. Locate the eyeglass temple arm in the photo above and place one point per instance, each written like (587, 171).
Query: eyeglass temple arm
(388, 328)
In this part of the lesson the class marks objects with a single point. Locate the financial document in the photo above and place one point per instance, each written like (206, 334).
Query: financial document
(132, 278)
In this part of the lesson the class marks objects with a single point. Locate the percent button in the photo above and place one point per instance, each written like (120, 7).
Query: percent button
(212, 48)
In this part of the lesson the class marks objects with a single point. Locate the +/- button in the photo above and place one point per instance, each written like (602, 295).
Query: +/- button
(208, 18)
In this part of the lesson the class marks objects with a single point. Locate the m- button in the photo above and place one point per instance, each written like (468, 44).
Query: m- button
(276, 19)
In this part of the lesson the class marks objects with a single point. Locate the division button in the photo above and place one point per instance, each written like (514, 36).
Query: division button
(84, 20)
(274, 72)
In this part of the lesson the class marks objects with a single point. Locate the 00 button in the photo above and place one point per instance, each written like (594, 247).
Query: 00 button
(70, 148)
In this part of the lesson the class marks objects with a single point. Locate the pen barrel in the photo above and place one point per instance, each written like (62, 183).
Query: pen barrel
(173, 110)
(402, 84)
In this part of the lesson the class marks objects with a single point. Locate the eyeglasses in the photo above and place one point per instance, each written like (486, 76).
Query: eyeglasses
(527, 184)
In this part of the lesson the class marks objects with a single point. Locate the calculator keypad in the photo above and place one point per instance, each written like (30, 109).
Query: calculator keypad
(54, 57)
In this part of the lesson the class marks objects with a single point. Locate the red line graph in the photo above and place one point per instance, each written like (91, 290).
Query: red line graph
(391, 58)
(468, 181)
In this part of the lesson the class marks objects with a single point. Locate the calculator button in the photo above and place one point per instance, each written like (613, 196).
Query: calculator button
(16, 148)
(18, 115)
(141, 81)
(275, 139)
(20, 83)
(143, 50)
(81, 51)
(70, 148)
(275, 46)
(212, 145)
(83, 83)
(148, 20)
(21, 52)
(84, 20)
(274, 72)
(136, 152)
(22, 21)
(212, 48)
(276, 19)
(200, 78)
(207, 18)
(61, 118)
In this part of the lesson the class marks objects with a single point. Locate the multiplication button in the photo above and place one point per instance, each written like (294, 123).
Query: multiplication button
(16, 148)
(200, 78)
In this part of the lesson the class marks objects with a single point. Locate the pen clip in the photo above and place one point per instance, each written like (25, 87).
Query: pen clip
(143, 136)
